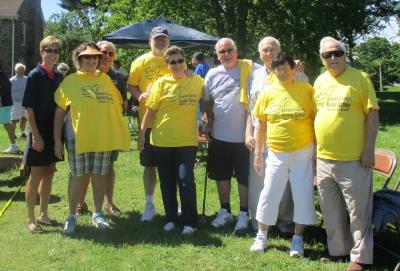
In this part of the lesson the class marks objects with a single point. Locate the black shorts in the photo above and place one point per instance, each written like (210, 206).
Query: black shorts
(147, 156)
(226, 159)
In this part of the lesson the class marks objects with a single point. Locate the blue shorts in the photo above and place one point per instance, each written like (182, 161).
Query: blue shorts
(5, 114)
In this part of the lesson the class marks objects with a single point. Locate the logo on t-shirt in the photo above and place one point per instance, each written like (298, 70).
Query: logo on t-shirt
(95, 92)
(152, 72)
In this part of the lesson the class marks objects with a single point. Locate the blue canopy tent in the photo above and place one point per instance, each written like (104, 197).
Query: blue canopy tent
(137, 35)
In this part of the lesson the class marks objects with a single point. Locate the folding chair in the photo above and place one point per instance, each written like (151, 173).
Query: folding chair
(385, 165)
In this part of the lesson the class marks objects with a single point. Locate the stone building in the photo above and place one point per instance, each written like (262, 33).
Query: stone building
(21, 29)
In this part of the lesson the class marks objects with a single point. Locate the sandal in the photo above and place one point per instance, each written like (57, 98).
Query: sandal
(34, 228)
(49, 222)
(82, 209)
(113, 210)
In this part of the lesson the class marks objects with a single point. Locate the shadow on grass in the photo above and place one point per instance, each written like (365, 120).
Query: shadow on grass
(128, 230)
(389, 112)
(14, 182)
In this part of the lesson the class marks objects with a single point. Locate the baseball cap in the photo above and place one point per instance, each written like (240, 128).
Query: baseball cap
(159, 31)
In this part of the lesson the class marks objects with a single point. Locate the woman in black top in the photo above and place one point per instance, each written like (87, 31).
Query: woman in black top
(39, 150)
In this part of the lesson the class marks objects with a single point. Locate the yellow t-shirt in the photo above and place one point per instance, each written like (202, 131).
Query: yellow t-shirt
(342, 106)
(288, 110)
(145, 70)
(175, 102)
(96, 112)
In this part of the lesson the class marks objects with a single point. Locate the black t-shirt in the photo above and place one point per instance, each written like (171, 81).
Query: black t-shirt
(39, 93)
(5, 90)
(119, 81)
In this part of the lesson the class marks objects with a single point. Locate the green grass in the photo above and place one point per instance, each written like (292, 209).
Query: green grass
(132, 245)
(392, 88)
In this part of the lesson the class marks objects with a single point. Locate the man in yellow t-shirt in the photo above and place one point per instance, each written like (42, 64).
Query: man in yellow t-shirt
(346, 126)
(145, 70)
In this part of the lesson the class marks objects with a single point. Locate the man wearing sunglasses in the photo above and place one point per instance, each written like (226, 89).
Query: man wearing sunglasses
(226, 115)
(346, 126)
(145, 70)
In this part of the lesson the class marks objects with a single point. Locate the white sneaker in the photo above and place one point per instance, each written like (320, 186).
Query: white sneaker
(169, 226)
(222, 218)
(149, 212)
(13, 149)
(242, 221)
(260, 243)
(297, 249)
(70, 225)
(187, 230)
(99, 221)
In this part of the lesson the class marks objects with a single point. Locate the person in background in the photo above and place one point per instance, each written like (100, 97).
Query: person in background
(346, 126)
(172, 105)
(90, 96)
(39, 149)
(63, 68)
(5, 111)
(145, 70)
(106, 62)
(18, 84)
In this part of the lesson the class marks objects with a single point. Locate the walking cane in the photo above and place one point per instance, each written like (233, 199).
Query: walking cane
(203, 215)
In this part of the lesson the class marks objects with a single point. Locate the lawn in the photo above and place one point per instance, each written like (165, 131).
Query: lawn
(132, 245)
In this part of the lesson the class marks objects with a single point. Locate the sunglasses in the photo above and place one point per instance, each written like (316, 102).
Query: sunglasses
(337, 53)
(110, 54)
(90, 57)
(51, 50)
(63, 70)
(223, 52)
(173, 62)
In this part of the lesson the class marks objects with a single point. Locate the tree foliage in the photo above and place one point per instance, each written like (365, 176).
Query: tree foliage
(377, 52)
(298, 24)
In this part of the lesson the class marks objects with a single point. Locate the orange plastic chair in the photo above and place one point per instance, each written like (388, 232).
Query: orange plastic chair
(385, 164)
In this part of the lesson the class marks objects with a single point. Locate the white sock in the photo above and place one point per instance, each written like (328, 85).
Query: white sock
(263, 234)
(149, 199)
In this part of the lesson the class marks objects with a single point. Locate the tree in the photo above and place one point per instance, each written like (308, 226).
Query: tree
(377, 52)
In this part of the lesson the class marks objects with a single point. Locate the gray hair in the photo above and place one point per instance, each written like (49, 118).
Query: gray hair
(325, 40)
(269, 39)
(231, 41)
(105, 42)
(19, 65)
(62, 66)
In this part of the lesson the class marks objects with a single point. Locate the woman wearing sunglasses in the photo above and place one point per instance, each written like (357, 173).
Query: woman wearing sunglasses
(98, 129)
(285, 112)
(39, 153)
(172, 108)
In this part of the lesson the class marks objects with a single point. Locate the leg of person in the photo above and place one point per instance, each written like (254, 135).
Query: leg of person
(220, 168)
(13, 149)
(333, 210)
(148, 161)
(186, 157)
(31, 192)
(241, 168)
(99, 189)
(74, 191)
(22, 126)
(301, 182)
(256, 184)
(166, 166)
(82, 207)
(13, 127)
(110, 183)
(45, 192)
(355, 182)
(285, 214)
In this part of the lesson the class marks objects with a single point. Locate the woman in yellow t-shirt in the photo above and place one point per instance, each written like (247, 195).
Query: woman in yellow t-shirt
(172, 109)
(98, 128)
(286, 113)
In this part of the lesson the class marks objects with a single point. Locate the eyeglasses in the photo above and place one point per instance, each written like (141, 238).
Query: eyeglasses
(110, 54)
(173, 62)
(90, 56)
(223, 52)
(51, 50)
(336, 53)
(63, 70)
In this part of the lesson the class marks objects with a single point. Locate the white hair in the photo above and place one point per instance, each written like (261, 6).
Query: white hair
(269, 39)
(19, 65)
(325, 40)
(61, 66)
(231, 41)
(105, 42)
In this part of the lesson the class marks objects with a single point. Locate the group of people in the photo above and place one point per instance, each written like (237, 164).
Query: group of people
(266, 126)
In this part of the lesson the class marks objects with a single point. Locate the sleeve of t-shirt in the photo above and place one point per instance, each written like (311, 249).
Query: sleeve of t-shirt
(312, 103)
(155, 95)
(206, 89)
(60, 98)
(368, 95)
(134, 74)
(29, 96)
(260, 106)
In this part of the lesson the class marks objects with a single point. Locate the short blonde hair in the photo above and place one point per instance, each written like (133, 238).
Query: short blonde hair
(48, 41)
(19, 65)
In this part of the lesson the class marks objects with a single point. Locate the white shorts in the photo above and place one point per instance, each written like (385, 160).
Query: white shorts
(17, 111)
(297, 167)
